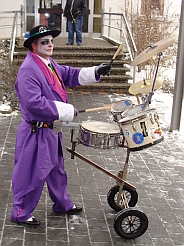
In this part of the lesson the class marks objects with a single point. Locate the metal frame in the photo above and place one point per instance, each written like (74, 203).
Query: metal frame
(124, 208)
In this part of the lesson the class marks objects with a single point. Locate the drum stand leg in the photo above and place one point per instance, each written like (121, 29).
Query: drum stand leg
(138, 100)
(74, 143)
(123, 175)
(73, 152)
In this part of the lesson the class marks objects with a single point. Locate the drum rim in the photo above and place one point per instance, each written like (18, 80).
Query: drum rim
(116, 131)
(134, 149)
(114, 111)
(125, 120)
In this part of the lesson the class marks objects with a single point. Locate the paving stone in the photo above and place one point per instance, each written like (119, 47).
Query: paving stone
(156, 172)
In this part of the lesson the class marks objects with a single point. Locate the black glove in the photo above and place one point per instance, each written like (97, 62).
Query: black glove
(76, 112)
(103, 69)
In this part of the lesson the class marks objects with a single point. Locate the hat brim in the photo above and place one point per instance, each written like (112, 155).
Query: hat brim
(28, 42)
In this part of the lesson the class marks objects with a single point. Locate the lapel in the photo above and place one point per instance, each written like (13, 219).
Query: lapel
(60, 90)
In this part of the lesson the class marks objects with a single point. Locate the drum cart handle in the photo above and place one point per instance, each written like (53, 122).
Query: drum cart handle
(73, 152)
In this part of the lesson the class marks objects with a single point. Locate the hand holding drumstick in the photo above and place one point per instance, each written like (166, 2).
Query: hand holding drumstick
(105, 68)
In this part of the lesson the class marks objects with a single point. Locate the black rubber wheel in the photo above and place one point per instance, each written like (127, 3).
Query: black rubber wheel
(131, 196)
(130, 223)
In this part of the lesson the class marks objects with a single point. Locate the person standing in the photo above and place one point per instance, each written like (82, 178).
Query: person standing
(74, 12)
(40, 87)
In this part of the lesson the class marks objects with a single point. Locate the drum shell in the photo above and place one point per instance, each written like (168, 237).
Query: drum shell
(99, 140)
(142, 131)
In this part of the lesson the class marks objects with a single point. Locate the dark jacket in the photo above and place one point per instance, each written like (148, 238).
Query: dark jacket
(74, 8)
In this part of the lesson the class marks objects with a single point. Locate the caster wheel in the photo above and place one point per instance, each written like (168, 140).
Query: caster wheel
(131, 196)
(130, 223)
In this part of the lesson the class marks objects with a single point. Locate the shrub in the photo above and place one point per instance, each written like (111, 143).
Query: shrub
(8, 73)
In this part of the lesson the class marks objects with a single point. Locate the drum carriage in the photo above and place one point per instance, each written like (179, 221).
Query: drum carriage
(135, 128)
(129, 223)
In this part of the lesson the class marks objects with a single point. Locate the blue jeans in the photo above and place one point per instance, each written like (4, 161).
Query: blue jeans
(76, 26)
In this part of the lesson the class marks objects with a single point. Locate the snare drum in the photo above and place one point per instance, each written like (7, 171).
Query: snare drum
(141, 129)
(100, 135)
(118, 108)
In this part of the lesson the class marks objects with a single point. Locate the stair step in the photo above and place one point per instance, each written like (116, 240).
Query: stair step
(103, 87)
(115, 78)
(80, 62)
(119, 70)
(75, 55)
(77, 48)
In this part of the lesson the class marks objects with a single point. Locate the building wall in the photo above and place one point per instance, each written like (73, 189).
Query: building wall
(170, 6)
(6, 19)
(11, 5)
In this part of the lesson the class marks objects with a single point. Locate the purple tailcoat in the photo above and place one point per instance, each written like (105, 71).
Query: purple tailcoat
(36, 154)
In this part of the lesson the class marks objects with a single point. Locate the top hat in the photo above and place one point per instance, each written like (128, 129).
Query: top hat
(38, 32)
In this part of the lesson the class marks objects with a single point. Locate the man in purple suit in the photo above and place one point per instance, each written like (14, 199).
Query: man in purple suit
(40, 87)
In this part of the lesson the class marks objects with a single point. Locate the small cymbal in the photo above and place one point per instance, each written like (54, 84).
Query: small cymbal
(153, 50)
(144, 86)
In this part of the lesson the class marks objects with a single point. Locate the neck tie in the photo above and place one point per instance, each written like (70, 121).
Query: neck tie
(53, 71)
(51, 67)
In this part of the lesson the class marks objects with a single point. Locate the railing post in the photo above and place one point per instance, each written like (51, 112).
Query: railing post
(103, 22)
(121, 27)
(22, 13)
(109, 29)
(13, 37)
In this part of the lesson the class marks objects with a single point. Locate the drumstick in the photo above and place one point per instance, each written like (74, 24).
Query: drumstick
(94, 109)
(117, 51)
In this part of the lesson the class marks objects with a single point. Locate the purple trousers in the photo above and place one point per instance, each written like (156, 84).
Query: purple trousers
(57, 187)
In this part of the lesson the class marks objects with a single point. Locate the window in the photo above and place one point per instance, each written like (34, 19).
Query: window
(50, 4)
(30, 6)
(156, 7)
(155, 4)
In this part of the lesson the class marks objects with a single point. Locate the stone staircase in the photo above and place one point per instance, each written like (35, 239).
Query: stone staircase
(91, 53)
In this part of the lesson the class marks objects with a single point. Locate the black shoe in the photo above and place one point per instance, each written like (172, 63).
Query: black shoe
(33, 222)
(75, 210)
(68, 44)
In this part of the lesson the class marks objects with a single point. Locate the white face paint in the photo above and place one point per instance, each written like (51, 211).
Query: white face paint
(45, 46)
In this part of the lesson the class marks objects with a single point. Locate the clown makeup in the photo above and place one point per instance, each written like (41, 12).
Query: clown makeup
(45, 46)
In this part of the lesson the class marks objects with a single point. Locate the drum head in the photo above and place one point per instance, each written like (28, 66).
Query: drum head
(100, 127)
(134, 112)
(121, 106)
(136, 109)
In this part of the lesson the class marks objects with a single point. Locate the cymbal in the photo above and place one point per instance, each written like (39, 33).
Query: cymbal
(153, 50)
(144, 86)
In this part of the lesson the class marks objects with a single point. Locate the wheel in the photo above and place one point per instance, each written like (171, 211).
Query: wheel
(130, 223)
(131, 196)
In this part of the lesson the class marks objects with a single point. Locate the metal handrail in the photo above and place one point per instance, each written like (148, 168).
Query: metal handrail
(13, 37)
(14, 28)
(124, 32)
